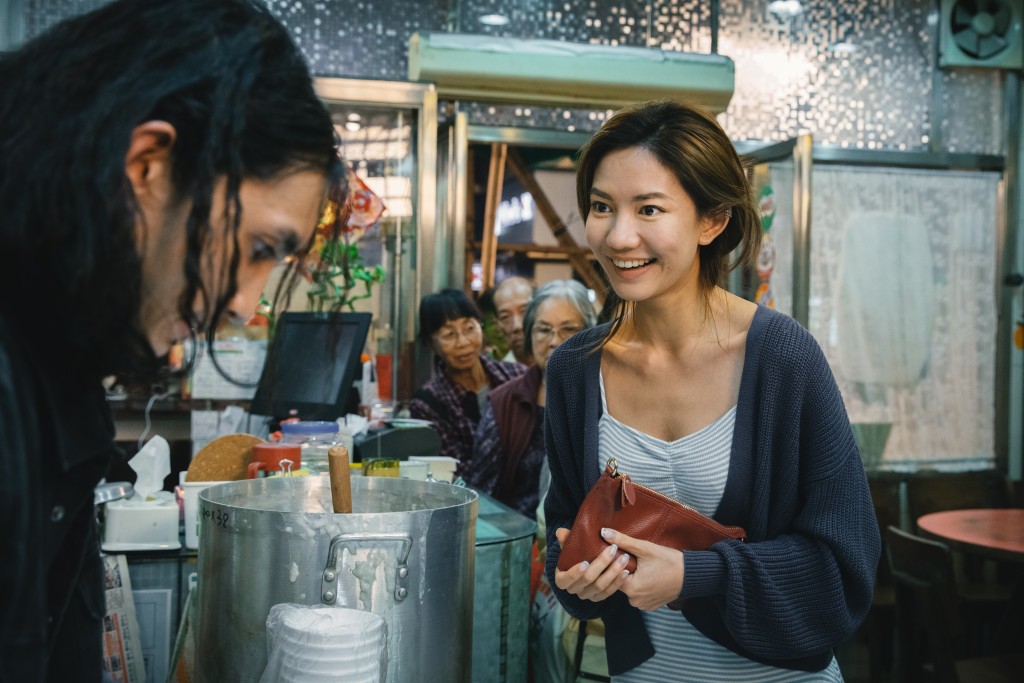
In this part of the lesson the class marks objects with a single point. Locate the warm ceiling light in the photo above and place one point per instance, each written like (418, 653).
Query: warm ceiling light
(789, 8)
(494, 20)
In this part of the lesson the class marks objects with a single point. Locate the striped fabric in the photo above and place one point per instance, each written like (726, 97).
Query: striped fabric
(692, 469)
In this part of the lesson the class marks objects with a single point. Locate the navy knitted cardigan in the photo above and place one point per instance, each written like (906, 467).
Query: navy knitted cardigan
(803, 581)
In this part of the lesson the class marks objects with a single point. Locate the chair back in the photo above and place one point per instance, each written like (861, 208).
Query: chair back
(925, 599)
(888, 499)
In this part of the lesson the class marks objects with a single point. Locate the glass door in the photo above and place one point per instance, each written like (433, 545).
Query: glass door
(389, 135)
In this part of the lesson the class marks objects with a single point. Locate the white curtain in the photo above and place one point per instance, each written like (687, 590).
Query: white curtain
(903, 302)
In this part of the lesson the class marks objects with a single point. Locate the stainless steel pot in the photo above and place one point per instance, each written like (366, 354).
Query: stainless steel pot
(406, 552)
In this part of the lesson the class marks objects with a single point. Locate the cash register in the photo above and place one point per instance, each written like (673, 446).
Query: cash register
(397, 440)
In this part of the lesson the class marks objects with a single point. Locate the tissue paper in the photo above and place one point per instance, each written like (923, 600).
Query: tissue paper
(152, 464)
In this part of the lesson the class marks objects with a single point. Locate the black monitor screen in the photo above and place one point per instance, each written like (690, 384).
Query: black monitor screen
(312, 362)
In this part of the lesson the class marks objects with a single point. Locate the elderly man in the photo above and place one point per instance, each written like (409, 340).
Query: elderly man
(510, 300)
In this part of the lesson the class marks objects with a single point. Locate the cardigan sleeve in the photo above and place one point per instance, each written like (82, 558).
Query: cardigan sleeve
(562, 415)
(803, 582)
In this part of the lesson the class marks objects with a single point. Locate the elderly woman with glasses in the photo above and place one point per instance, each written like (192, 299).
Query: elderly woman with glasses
(508, 455)
(451, 326)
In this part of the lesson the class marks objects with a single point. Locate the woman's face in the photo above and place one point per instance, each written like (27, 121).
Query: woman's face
(278, 217)
(644, 228)
(459, 343)
(556, 320)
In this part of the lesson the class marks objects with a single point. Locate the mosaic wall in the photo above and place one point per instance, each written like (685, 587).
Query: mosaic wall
(855, 73)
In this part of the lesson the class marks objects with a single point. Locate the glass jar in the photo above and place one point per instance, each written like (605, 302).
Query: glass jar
(316, 438)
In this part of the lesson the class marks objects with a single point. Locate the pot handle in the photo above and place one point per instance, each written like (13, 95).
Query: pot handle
(329, 585)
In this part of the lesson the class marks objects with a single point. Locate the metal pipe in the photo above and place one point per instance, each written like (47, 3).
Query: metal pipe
(458, 197)
(1008, 225)
(802, 167)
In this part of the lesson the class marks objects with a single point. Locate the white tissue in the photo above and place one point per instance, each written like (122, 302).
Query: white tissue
(152, 464)
(355, 424)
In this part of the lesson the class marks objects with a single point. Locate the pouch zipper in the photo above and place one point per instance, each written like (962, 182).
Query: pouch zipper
(615, 474)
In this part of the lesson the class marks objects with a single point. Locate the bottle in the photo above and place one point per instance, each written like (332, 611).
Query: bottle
(316, 438)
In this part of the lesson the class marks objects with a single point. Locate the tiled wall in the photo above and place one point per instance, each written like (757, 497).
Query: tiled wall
(790, 76)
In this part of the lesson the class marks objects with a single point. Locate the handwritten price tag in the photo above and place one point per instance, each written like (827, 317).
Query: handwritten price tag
(218, 517)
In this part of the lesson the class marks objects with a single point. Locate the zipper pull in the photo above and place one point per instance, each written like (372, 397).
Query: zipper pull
(611, 468)
(628, 492)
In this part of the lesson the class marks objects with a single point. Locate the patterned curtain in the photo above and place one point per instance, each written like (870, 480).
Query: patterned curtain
(903, 302)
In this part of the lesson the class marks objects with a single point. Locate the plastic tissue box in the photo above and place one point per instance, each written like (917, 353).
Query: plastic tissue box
(135, 524)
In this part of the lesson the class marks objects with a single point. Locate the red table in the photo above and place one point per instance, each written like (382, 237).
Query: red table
(994, 533)
(997, 534)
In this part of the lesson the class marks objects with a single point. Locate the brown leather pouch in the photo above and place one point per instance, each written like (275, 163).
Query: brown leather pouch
(617, 502)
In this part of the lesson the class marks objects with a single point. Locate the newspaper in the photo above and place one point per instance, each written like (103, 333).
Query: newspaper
(122, 648)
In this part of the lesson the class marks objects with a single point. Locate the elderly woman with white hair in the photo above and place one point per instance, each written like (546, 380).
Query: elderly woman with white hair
(508, 452)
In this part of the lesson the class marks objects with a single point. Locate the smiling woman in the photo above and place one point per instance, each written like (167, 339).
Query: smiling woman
(158, 159)
(710, 400)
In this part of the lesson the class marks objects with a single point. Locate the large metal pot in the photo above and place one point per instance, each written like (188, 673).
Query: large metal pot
(406, 553)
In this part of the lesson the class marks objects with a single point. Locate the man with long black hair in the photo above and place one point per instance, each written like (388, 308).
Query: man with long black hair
(157, 159)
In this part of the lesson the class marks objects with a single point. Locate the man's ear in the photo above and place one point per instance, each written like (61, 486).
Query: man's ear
(148, 161)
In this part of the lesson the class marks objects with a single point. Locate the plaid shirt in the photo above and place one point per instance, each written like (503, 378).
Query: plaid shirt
(455, 411)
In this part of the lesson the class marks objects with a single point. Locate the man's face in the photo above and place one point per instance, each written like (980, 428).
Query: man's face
(278, 216)
(511, 299)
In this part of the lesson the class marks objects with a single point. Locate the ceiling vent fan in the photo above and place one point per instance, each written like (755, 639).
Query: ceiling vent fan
(981, 33)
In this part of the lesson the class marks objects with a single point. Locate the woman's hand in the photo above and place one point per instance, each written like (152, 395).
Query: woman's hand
(594, 580)
(658, 579)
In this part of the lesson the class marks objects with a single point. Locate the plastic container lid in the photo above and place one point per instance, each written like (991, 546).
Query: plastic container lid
(310, 427)
(278, 448)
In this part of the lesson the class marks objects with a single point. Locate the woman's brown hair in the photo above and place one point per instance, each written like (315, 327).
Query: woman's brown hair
(688, 142)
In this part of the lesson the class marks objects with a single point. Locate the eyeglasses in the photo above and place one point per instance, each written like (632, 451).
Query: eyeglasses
(449, 336)
(563, 332)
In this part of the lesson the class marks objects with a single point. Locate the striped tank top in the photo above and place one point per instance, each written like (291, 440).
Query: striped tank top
(692, 469)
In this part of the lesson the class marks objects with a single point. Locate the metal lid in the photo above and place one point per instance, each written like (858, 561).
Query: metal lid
(498, 523)
(114, 490)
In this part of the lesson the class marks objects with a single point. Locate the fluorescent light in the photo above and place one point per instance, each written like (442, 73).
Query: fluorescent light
(494, 20)
(789, 8)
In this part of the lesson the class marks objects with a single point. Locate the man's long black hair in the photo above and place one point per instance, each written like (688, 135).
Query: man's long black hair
(230, 80)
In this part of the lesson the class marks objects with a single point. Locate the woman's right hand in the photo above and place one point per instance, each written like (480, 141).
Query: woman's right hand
(595, 580)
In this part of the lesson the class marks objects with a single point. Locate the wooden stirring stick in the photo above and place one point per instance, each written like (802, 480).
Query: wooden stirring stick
(341, 485)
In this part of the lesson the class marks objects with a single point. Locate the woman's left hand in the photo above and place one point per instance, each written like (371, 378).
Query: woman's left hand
(658, 579)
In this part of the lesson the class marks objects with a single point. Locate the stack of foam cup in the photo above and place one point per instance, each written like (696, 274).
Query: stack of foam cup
(318, 644)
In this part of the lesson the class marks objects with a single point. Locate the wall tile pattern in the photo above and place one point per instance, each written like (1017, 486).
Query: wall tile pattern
(791, 78)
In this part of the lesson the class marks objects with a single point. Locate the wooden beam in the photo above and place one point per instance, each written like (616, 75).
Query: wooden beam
(495, 183)
(580, 264)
